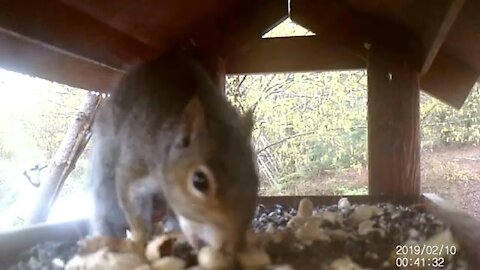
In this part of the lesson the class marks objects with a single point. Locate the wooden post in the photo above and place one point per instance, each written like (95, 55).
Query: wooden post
(393, 124)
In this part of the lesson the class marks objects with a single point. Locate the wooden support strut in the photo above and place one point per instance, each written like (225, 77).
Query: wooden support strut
(393, 124)
(293, 54)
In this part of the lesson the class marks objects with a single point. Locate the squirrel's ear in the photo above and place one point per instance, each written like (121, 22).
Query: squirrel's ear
(192, 121)
(248, 122)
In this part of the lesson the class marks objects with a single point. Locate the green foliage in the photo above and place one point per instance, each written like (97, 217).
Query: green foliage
(347, 149)
(305, 122)
(443, 125)
(312, 122)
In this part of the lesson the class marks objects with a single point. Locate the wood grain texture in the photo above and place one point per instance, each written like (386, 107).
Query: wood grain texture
(337, 22)
(436, 30)
(160, 24)
(393, 124)
(294, 54)
(429, 20)
(53, 23)
(23, 55)
(464, 36)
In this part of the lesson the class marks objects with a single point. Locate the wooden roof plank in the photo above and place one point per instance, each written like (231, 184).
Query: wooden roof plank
(329, 22)
(449, 80)
(59, 25)
(353, 31)
(464, 37)
(336, 22)
(437, 29)
(293, 54)
(432, 22)
(160, 24)
(27, 56)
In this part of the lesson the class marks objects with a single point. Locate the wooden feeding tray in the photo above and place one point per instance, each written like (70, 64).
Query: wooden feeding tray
(464, 228)
(427, 209)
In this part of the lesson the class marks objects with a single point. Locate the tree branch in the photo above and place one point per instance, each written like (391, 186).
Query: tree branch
(64, 160)
(283, 140)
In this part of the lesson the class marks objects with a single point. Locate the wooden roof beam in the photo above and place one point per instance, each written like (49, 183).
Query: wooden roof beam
(59, 25)
(24, 55)
(441, 18)
(293, 54)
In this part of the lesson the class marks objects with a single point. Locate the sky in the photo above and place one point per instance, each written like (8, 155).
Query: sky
(18, 91)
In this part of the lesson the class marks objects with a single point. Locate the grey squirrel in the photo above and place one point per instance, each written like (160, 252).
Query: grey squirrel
(168, 130)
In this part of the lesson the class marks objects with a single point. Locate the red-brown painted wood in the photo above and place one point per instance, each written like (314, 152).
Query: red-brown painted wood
(26, 56)
(57, 25)
(294, 54)
(393, 124)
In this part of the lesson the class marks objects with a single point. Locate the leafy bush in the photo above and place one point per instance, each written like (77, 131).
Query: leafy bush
(443, 125)
(347, 150)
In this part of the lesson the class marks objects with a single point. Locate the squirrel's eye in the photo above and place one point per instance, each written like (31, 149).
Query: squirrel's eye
(185, 142)
(200, 181)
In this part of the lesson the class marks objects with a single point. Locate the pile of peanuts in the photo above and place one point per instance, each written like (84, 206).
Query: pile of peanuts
(123, 254)
(106, 253)
(304, 228)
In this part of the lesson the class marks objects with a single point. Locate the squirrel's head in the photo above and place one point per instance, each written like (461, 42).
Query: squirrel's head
(211, 176)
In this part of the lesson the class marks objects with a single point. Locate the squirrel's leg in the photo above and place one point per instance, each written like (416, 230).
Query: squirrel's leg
(131, 203)
(108, 218)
